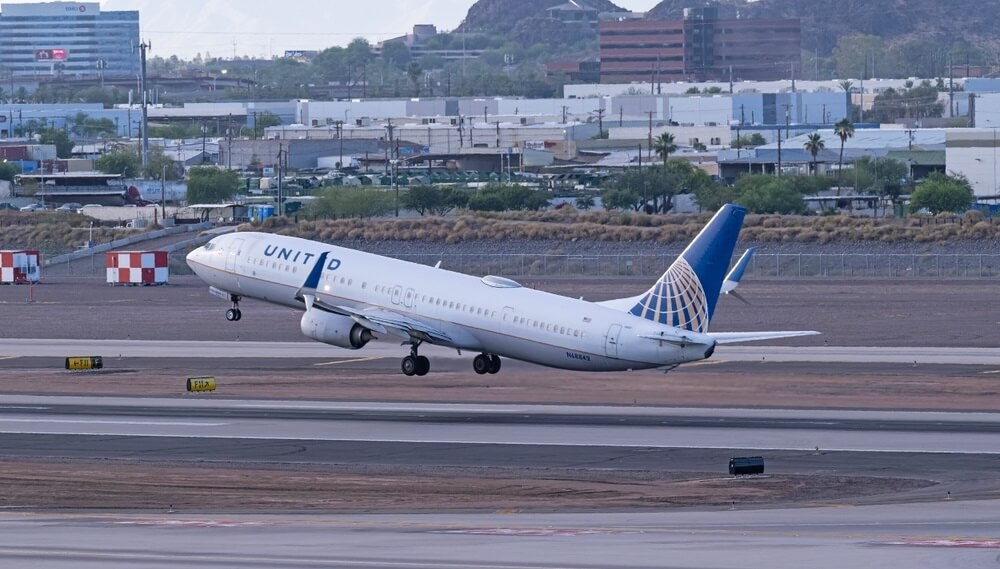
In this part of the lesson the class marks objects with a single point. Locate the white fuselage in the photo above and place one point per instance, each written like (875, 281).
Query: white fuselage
(482, 315)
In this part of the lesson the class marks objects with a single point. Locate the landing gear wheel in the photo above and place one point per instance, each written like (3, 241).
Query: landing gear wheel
(234, 314)
(481, 364)
(494, 363)
(410, 366)
(423, 365)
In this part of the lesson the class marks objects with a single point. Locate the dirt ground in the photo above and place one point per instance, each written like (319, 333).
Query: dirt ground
(849, 313)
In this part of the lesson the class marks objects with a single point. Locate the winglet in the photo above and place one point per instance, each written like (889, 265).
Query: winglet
(736, 273)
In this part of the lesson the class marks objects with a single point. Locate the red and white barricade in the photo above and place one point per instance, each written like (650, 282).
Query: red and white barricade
(19, 267)
(137, 267)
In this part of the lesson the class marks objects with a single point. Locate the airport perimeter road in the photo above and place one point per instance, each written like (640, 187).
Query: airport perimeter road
(945, 534)
(209, 349)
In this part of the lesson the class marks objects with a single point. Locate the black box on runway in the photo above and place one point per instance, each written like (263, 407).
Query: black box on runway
(743, 465)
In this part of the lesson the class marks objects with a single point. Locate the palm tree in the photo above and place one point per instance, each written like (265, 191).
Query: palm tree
(848, 86)
(844, 129)
(813, 146)
(663, 145)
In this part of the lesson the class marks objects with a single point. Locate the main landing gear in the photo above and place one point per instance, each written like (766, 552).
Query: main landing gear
(415, 364)
(234, 314)
(486, 363)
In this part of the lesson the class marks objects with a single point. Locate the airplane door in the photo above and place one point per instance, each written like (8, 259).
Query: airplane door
(408, 297)
(233, 257)
(611, 346)
(397, 294)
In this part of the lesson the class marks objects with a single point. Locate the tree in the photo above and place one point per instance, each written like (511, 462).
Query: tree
(813, 146)
(769, 194)
(263, 121)
(8, 170)
(620, 199)
(664, 145)
(123, 160)
(508, 197)
(347, 202)
(59, 138)
(844, 129)
(396, 54)
(941, 193)
(161, 164)
(208, 184)
(432, 200)
(585, 203)
(414, 72)
(883, 177)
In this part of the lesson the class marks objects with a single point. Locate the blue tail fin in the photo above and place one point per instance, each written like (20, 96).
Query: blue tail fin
(685, 296)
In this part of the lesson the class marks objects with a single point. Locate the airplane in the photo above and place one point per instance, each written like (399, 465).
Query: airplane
(350, 298)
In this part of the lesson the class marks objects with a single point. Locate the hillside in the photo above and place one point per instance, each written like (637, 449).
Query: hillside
(951, 24)
(526, 21)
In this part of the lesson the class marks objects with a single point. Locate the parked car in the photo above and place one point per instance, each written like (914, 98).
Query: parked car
(83, 209)
(33, 207)
(69, 207)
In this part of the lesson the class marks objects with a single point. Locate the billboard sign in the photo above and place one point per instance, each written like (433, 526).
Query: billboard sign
(56, 54)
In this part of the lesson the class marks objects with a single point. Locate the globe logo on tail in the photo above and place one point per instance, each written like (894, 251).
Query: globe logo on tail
(677, 299)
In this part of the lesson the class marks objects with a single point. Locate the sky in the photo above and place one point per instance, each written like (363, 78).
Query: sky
(264, 28)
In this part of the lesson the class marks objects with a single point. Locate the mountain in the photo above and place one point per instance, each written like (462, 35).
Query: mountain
(503, 16)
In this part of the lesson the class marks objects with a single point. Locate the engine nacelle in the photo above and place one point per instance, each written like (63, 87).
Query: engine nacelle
(334, 329)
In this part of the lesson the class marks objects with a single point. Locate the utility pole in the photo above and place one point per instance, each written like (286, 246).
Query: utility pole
(145, 111)
(650, 135)
(600, 121)
(395, 176)
(951, 87)
(340, 135)
(498, 134)
(779, 153)
(787, 118)
(280, 201)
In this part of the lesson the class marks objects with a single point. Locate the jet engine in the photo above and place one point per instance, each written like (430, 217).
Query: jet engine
(334, 329)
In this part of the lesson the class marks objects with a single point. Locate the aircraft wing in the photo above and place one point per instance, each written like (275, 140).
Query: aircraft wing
(375, 319)
(734, 337)
(382, 321)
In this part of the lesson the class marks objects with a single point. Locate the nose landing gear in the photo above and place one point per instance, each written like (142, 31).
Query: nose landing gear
(234, 314)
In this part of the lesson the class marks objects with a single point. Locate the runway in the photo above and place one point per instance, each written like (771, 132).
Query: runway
(946, 534)
(858, 431)
(271, 350)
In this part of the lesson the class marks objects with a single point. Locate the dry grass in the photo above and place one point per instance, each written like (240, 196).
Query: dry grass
(639, 227)
(52, 233)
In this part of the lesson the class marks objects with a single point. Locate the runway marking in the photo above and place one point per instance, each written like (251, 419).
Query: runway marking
(991, 371)
(351, 361)
(973, 543)
(9, 357)
(705, 363)
(108, 422)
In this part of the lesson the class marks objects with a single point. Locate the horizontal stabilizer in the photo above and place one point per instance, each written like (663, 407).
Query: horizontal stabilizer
(736, 273)
(734, 337)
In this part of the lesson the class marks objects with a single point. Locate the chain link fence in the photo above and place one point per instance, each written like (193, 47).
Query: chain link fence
(762, 266)
(775, 266)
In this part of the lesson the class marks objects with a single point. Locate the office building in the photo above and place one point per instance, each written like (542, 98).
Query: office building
(701, 47)
(68, 39)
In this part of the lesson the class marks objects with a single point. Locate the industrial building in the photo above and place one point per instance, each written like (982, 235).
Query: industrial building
(68, 39)
(701, 47)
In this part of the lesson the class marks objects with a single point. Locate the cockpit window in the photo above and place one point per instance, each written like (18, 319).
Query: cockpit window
(209, 246)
